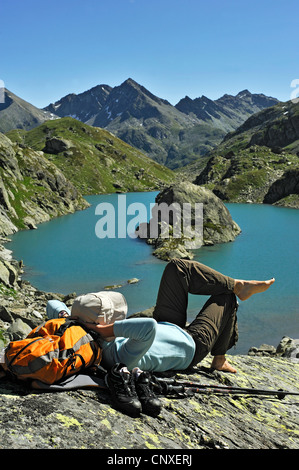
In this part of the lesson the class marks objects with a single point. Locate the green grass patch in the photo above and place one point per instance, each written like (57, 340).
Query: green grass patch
(95, 161)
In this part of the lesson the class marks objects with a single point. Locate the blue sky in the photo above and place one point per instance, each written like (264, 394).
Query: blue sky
(172, 47)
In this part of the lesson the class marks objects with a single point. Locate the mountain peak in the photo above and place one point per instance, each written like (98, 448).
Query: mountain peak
(16, 113)
(131, 82)
(244, 94)
(83, 106)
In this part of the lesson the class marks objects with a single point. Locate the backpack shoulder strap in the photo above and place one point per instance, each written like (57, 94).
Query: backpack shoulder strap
(74, 322)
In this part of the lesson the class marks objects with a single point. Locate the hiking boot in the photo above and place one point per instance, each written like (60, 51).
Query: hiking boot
(150, 403)
(121, 385)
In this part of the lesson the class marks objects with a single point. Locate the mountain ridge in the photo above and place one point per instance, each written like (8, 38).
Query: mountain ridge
(72, 100)
(171, 135)
(235, 108)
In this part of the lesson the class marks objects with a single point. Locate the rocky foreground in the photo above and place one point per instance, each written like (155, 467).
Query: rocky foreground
(85, 419)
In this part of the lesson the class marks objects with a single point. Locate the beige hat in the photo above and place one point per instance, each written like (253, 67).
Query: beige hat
(100, 307)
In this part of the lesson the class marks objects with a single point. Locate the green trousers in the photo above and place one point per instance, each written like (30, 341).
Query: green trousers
(214, 329)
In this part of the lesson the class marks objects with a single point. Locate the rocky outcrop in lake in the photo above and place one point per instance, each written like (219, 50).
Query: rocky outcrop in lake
(215, 223)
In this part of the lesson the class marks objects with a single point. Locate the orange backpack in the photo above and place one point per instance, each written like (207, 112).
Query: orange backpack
(52, 351)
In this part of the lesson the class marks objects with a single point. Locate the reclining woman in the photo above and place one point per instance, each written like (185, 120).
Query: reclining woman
(165, 342)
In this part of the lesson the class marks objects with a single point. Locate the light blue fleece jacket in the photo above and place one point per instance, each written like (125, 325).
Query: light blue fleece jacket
(144, 343)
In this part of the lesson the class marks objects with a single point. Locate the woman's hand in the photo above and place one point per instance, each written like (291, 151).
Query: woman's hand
(106, 331)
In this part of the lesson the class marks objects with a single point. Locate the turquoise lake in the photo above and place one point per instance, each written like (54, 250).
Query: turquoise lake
(65, 255)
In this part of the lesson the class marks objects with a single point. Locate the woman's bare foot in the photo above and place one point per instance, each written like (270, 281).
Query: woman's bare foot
(245, 289)
(222, 364)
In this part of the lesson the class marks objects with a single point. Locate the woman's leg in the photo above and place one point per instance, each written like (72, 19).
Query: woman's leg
(215, 330)
(215, 327)
(181, 277)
